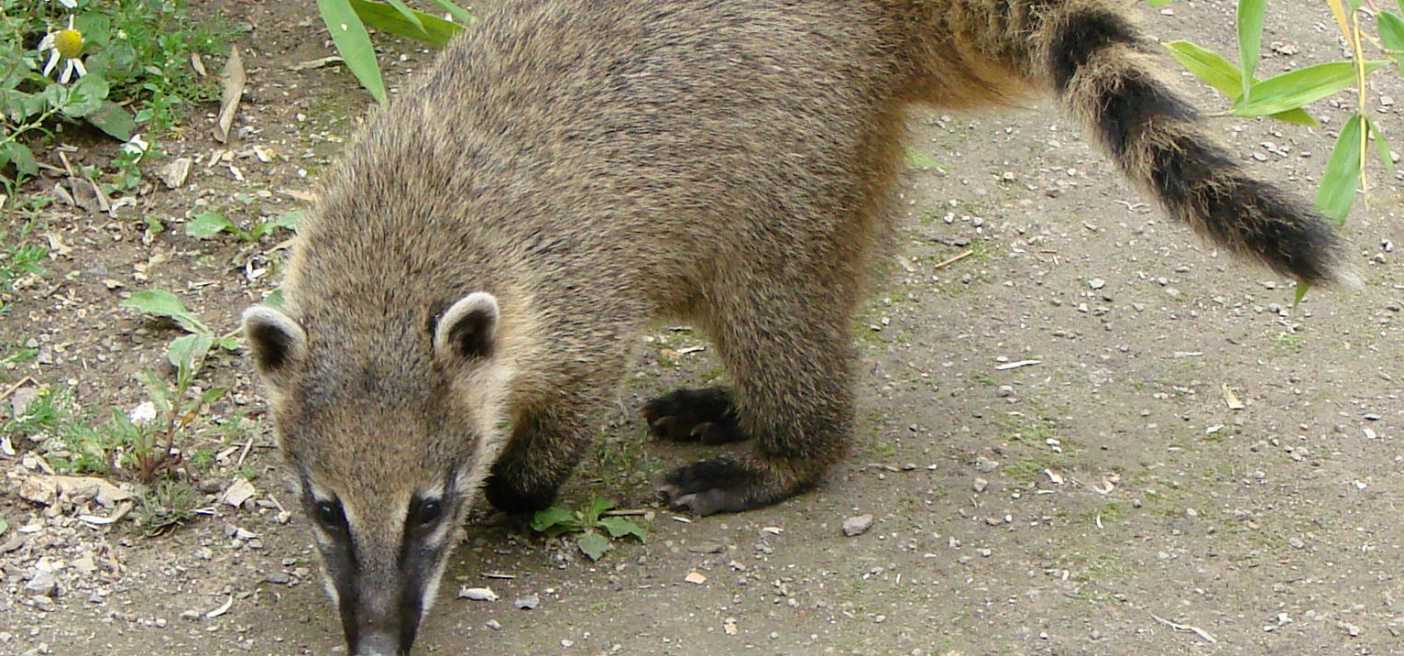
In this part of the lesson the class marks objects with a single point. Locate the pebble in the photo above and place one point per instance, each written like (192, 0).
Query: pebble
(855, 526)
(494, 625)
(528, 602)
(981, 484)
(278, 578)
(1005, 391)
(985, 465)
(1296, 542)
(43, 584)
(1096, 283)
(477, 594)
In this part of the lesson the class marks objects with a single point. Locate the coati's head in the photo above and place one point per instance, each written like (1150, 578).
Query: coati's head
(389, 432)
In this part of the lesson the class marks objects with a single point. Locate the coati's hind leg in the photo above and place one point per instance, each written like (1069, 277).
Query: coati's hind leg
(694, 415)
(791, 359)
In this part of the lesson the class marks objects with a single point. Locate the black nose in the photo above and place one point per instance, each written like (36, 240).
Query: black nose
(379, 644)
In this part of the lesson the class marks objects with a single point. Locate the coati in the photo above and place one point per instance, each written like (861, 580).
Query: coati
(472, 279)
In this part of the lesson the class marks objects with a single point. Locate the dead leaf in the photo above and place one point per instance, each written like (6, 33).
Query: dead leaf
(1231, 399)
(239, 492)
(223, 608)
(198, 64)
(232, 79)
(122, 510)
(315, 63)
(1053, 476)
(175, 173)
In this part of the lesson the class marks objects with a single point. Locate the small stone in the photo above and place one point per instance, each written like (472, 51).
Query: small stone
(985, 465)
(706, 548)
(855, 526)
(1005, 391)
(477, 594)
(528, 602)
(43, 584)
(494, 625)
(981, 484)
(1096, 283)
(695, 578)
(1296, 542)
(277, 578)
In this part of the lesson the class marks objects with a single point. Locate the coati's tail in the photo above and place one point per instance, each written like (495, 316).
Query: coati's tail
(1105, 73)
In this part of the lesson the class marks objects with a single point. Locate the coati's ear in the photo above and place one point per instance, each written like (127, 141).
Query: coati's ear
(275, 339)
(468, 329)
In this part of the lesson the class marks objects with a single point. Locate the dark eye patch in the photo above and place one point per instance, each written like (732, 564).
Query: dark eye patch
(427, 512)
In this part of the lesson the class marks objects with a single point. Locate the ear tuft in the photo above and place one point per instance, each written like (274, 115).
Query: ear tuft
(274, 338)
(469, 328)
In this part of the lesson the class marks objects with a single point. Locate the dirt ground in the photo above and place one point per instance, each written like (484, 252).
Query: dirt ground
(1105, 500)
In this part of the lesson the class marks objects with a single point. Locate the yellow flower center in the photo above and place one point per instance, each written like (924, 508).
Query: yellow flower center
(69, 43)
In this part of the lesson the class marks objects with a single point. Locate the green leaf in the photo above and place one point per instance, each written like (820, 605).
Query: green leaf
(4, 525)
(158, 391)
(289, 220)
(920, 160)
(591, 514)
(1342, 176)
(1250, 41)
(211, 395)
(593, 545)
(161, 303)
(551, 517)
(349, 35)
(274, 299)
(1391, 28)
(23, 159)
(112, 119)
(228, 343)
(1217, 72)
(436, 31)
(460, 15)
(187, 352)
(408, 13)
(209, 224)
(1381, 146)
(619, 527)
(1300, 87)
(86, 96)
(1301, 293)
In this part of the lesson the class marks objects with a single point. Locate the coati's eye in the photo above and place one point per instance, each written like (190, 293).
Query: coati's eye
(428, 512)
(330, 515)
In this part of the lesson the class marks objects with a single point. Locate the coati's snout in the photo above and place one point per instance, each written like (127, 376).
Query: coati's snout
(389, 444)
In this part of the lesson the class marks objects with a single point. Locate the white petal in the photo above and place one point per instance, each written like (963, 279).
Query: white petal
(47, 43)
(67, 72)
(71, 4)
(70, 21)
(78, 64)
(53, 61)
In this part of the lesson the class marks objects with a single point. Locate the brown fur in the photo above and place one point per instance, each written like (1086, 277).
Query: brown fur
(596, 166)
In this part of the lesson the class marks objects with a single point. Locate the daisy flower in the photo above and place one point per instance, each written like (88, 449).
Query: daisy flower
(64, 46)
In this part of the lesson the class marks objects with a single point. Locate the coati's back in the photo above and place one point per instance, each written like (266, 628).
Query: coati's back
(465, 294)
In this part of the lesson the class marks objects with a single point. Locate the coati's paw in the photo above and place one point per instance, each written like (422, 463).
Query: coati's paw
(712, 486)
(507, 498)
(688, 415)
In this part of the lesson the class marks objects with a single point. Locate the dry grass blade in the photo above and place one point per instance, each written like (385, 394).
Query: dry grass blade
(1185, 627)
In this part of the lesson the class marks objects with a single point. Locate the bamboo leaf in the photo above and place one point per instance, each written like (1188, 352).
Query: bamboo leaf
(460, 15)
(1382, 146)
(1338, 12)
(1391, 28)
(1295, 89)
(354, 44)
(408, 13)
(436, 31)
(1338, 184)
(1218, 72)
(1250, 40)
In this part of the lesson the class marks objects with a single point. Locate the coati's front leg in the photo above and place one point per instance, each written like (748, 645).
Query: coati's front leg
(792, 395)
(543, 451)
